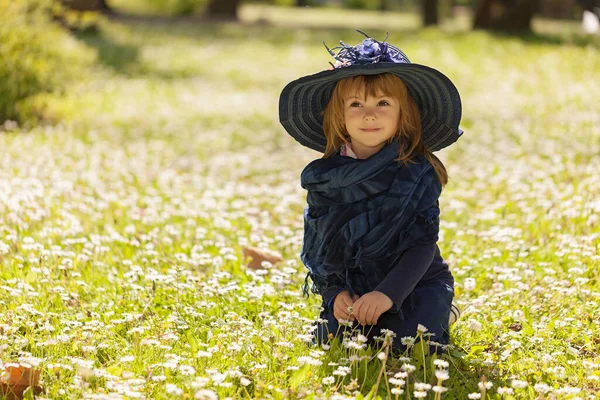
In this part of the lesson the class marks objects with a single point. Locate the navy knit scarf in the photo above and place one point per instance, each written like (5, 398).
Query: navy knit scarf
(362, 215)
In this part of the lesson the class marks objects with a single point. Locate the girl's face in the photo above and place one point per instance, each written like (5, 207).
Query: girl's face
(370, 123)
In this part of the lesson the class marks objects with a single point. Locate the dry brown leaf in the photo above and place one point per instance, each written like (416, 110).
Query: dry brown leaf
(260, 255)
(16, 378)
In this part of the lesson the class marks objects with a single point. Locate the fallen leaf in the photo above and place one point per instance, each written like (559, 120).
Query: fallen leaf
(260, 255)
(16, 378)
(516, 326)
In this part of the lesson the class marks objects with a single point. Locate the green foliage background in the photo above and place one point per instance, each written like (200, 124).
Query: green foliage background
(37, 56)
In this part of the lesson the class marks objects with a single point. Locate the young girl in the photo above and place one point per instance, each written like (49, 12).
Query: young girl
(372, 222)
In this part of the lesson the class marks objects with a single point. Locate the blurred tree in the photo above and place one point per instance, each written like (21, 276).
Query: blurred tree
(589, 5)
(558, 9)
(223, 9)
(505, 15)
(87, 5)
(429, 12)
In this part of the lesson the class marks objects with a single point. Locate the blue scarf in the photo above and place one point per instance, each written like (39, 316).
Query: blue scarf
(362, 215)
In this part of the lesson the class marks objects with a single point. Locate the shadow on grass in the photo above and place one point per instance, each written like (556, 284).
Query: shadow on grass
(119, 57)
(124, 58)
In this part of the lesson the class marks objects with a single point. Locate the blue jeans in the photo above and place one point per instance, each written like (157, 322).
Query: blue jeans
(428, 305)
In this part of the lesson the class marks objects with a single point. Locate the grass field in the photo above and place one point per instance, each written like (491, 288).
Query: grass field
(122, 224)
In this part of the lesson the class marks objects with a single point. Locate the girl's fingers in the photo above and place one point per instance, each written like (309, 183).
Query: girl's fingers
(372, 316)
(349, 303)
(342, 313)
(356, 310)
(362, 316)
(350, 316)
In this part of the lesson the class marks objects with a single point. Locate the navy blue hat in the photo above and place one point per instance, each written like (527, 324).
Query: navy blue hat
(303, 100)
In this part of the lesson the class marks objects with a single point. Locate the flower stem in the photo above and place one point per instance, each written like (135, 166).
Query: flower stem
(387, 350)
(438, 395)
(423, 351)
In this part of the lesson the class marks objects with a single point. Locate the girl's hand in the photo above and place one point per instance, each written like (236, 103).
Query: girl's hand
(341, 303)
(369, 307)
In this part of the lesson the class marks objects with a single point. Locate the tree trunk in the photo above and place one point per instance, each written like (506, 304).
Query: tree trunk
(225, 9)
(429, 10)
(587, 5)
(87, 5)
(105, 8)
(505, 15)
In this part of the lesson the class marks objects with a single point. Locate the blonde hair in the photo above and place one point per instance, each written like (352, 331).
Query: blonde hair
(409, 123)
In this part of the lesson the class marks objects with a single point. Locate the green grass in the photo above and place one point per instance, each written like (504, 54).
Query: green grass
(121, 226)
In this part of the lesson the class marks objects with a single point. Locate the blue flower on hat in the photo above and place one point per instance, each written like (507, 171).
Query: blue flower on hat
(369, 48)
(368, 52)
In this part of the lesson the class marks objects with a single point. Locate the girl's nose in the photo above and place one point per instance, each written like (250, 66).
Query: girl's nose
(369, 117)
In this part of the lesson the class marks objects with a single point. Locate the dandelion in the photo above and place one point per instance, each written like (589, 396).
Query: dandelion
(353, 385)
(173, 389)
(469, 284)
(442, 375)
(328, 380)
(486, 385)
(408, 367)
(422, 386)
(218, 378)
(205, 394)
(244, 381)
(505, 390)
(343, 371)
(420, 395)
(515, 344)
(388, 332)
(475, 325)
(381, 356)
(542, 388)
(200, 382)
(186, 370)
(397, 382)
(474, 395)
(439, 389)
(408, 341)
(397, 391)
(421, 328)
(441, 363)
(568, 390)
(518, 384)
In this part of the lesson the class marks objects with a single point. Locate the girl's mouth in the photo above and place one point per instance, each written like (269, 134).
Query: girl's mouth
(370, 130)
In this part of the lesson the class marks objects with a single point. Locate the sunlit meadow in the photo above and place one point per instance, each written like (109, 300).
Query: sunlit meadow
(122, 225)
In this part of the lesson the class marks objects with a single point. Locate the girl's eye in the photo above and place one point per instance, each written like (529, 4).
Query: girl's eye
(357, 103)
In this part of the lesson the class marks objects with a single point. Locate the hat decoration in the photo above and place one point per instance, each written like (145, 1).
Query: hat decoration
(369, 51)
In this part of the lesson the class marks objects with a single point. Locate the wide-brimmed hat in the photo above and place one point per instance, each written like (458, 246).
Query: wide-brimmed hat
(303, 100)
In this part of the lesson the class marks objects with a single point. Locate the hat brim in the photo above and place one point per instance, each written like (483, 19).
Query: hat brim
(303, 100)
